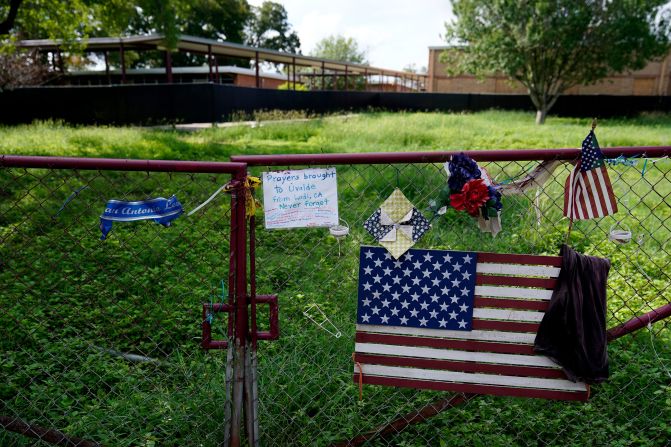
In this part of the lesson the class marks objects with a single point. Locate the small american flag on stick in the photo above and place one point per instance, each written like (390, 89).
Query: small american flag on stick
(588, 191)
(457, 321)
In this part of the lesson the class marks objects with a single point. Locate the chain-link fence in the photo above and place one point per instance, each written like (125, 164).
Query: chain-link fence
(307, 395)
(101, 340)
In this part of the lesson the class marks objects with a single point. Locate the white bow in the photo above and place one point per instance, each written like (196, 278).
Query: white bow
(406, 229)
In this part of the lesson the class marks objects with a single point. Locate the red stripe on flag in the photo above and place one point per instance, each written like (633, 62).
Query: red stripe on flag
(506, 258)
(444, 343)
(591, 194)
(510, 326)
(496, 280)
(471, 388)
(609, 189)
(568, 195)
(587, 195)
(511, 303)
(599, 193)
(453, 365)
(582, 199)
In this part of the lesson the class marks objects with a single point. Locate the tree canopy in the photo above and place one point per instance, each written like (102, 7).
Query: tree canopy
(340, 48)
(550, 46)
(269, 27)
(43, 19)
(229, 20)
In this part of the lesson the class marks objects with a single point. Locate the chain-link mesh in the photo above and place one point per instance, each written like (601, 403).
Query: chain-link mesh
(100, 340)
(307, 395)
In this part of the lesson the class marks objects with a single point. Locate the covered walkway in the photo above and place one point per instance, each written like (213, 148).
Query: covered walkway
(321, 71)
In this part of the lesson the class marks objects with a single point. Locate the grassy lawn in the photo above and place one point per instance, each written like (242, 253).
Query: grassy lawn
(367, 132)
(68, 299)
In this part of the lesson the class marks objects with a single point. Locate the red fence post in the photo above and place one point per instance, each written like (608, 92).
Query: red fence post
(251, 386)
(239, 238)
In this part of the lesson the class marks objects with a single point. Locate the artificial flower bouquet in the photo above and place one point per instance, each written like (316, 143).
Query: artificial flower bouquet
(469, 188)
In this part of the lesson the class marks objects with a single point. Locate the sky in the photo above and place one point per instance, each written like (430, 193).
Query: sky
(394, 33)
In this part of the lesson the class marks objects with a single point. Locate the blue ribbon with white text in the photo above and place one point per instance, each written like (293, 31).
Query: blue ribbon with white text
(160, 210)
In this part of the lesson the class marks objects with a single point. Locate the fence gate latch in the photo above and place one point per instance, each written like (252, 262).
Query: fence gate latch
(274, 324)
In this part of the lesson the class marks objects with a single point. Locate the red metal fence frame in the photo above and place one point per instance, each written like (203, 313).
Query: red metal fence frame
(482, 155)
(566, 154)
(119, 164)
(441, 156)
(238, 297)
(238, 274)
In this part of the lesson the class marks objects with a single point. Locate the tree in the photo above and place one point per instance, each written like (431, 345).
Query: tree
(21, 68)
(40, 19)
(551, 46)
(340, 48)
(222, 20)
(75, 20)
(78, 19)
(412, 68)
(269, 27)
(212, 19)
(7, 23)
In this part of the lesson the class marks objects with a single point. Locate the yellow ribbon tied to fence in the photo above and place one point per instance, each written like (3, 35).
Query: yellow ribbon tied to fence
(251, 203)
(249, 185)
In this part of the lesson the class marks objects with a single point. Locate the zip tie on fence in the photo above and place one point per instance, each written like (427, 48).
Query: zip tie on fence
(249, 184)
(74, 194)
(358, 365)
(645, 164)
(653, 162)
(211, 313)
(622, 160)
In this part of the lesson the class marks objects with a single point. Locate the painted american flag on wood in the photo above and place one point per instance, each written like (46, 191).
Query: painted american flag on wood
(510, 296)
(588, 191)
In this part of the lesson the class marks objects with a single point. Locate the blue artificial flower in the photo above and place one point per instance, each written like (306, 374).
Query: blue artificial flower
(462, 169)
(495, 199)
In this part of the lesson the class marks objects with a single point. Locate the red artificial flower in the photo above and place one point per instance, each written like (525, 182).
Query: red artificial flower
(473, 195)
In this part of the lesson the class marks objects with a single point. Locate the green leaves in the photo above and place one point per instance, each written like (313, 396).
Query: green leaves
(269, 27)
(550, 46)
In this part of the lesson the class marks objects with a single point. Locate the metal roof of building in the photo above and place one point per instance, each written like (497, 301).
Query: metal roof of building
(204, 46)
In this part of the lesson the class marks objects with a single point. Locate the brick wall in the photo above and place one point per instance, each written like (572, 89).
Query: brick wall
(653, 80)
(243, 80)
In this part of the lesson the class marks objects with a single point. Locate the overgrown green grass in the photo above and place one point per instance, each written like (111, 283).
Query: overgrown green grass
(67, 298)
(366, 132)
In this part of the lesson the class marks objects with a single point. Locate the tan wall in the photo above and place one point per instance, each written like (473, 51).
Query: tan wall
(653, 79)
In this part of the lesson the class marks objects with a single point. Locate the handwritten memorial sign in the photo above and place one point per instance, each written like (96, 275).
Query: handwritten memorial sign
(298, 199)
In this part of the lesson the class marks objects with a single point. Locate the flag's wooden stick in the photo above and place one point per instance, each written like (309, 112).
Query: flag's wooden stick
(568, 233)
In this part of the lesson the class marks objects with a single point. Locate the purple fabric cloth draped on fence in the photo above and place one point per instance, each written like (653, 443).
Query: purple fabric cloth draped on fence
(573, 330)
